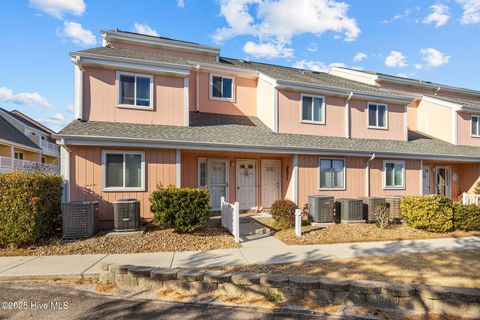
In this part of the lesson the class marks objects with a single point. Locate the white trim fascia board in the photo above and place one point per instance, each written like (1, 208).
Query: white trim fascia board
(65, 171)
(454, 127)
(19, 145)
(144, 39)
(405, 122)
(444, 103)
(178, 168)
(386, 78)
(275, 110)
(10, 118)
(295, 179)
(210, 67)
(136, 67)
(189, 145)
(78, 91)
(421, 178)
(337, 71)
(186, 108)
(268, 79)
(298, 86)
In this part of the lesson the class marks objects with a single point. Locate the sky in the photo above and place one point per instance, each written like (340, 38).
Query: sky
(434, 40)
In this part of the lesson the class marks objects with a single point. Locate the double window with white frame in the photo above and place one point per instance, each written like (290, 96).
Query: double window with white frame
(393, 174)
(222, 87)
(475, 132)
(377, 116)
(312, 109)
(332, 174)
(123, 170)
(134, 90)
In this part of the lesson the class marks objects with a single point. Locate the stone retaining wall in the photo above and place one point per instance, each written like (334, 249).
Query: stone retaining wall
(294, 288)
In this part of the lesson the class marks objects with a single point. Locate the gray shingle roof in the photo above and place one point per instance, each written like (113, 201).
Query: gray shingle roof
(227, 130)
(10, 133)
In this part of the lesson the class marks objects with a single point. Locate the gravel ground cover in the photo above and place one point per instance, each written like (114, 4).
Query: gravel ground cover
(153, 240)
(445, 268)
(359, 232)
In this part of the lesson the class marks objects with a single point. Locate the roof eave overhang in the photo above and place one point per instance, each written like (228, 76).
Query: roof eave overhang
(158, 42)
(20, 145)
(86, 59)
(224, 69)
(209, 146)
(298, 86)
(439, 101)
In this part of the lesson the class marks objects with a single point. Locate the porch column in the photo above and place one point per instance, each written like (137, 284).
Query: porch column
(421, 178)
(65, 172)
(178, 168)
(12, 157)
(295, 179)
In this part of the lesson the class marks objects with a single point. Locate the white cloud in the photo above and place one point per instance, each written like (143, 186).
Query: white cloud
(70, 108)
(312, 47)
(471, 11)
(181, 3)
(267, 50)
(433, 57)
(360, 56)
(439, 15)
(399, 16)
(396, 59)
(24, 98)
(77, 34)
(145, 29)
(58, 8)
(277, 22)
(56, 119)
(418, 66)
(316, 65)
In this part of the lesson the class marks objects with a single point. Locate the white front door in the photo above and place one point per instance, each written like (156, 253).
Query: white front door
(217, 181)
(427, 180)
(442, 180)
(270, 182)
(246, 184)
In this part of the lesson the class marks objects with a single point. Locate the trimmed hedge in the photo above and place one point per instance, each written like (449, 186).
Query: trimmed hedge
(466, 217)
(29, 207)
(283, 213)
(431, 213)
(184, 209)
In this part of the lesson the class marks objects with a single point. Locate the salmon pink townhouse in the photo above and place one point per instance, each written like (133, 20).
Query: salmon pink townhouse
(152, 110)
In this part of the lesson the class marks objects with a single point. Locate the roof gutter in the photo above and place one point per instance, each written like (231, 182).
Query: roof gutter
(220, 68)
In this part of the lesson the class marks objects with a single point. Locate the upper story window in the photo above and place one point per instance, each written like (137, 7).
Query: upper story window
(123, 170)
(222, 87)
(393, 174)
(134, 90)
(313, 109)
(377, 116)
(476, 126)
(332, 174)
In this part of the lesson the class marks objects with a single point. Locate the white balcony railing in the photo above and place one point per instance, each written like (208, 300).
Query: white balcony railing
(48, 146)
(26, 165)
(471, 199)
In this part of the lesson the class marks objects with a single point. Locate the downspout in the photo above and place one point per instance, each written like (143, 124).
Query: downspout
(197, 90)
(78, 88)
(65, 169)
(367, 175)
(347, 115)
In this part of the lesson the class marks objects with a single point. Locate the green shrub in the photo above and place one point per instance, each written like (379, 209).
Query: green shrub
(466, 217)
(184, 209)
(29, 207)
(283, 213)
(476, 189)
(431, 213)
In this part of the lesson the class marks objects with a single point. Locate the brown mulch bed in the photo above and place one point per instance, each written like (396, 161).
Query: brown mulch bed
(360, 232)
(153, 240)
(446, 268)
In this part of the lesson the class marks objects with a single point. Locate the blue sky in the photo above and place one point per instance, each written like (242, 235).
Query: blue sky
(430, 40)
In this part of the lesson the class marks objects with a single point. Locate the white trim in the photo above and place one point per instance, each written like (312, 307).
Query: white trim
(405, 122)
(369, 78)
(134, 106)
(268, 79)
(157, 41)
(78, 92)
(209, 146)
(65, 172)
(237, 187)
(421, 177)
(186, 108)
(227, 70)
(211, 97)
(178, 168)
(384, 175)
(121, 189)
(12, 157)
(344, 174)
(295, 179)
(376, 116)
(444, 103)
(197, 89)
(347, 115)
(275, 110)
(324, 120)
(201, 160)
(478, 126)
(454, 127)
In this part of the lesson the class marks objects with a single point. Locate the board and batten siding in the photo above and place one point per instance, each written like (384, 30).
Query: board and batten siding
(86, 179)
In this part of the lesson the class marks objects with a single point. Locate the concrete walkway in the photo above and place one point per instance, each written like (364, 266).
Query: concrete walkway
(268, 250)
